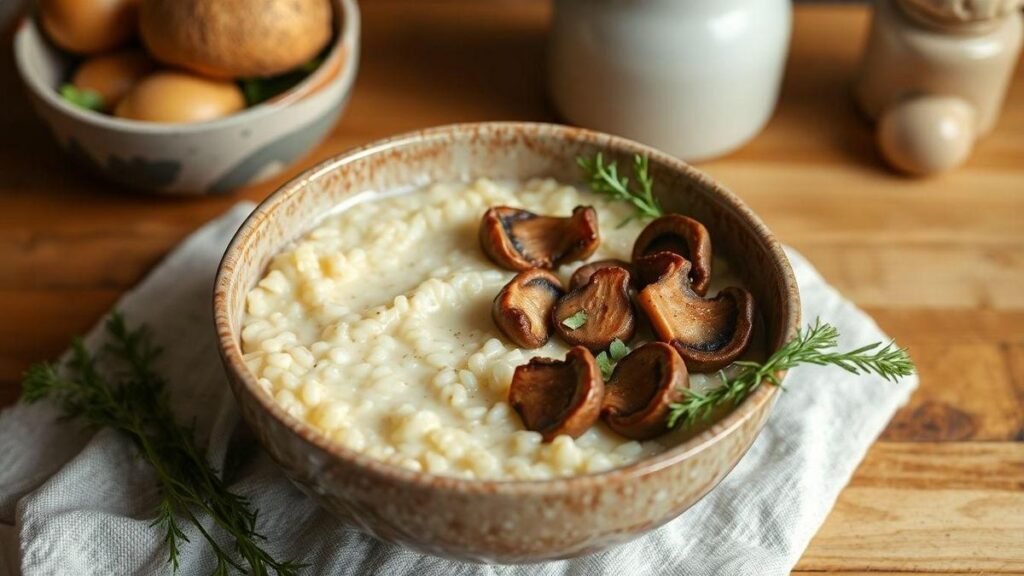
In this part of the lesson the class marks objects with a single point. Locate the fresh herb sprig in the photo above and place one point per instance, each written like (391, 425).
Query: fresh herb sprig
(604, 178)
(133, 400)
(815, 345)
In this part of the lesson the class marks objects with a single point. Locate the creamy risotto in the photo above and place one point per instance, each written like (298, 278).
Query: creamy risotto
(376, 329)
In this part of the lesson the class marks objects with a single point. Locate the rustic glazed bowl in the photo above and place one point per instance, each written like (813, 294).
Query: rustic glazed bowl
(482, 520)
(201, 158)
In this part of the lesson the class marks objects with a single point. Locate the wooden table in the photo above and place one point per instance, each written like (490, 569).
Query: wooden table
(939, 263)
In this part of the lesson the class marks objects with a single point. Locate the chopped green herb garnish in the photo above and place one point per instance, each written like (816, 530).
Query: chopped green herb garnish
(607, 359)
(575, 321)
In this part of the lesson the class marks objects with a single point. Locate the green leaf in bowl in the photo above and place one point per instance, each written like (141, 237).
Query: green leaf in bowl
(258, 90)
(83, 98)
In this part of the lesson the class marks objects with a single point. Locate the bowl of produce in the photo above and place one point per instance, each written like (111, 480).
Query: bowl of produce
(502, 342)
(189, 96)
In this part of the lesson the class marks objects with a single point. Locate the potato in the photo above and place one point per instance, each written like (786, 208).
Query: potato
(176, 97)
(235, 38)
(89, 26)
(112, 75)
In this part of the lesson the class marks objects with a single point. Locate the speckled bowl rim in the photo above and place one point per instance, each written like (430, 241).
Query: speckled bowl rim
(230, 349)
(349, 37)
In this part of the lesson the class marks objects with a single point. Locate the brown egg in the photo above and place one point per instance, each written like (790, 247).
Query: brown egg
(89, 26)
(177, 97)
(112, 75)
(927, 135)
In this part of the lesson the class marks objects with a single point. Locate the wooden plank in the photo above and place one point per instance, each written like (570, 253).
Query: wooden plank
(899, 276)
(1015, 360)
(494, 56)
(988, 466)
(40, 325)
(914, 326)
(9, 392)
(101, 257)
(966, 393)
(845, 204)
(927, 508)
(906, 573)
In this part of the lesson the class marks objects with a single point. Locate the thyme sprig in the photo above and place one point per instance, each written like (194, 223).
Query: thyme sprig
(603, 178)
(118, 388)
(815, 345)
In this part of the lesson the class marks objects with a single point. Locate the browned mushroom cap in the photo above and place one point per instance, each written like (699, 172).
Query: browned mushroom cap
(518, 239)
(557, 397)
(643, 385)
(681, 235)
(709, 333)
(582, 274)
(522, 310)
(598, 312)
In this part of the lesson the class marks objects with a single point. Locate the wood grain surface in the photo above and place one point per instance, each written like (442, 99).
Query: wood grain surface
(939, 263)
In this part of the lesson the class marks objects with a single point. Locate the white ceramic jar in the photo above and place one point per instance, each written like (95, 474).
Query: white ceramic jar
(696, 78)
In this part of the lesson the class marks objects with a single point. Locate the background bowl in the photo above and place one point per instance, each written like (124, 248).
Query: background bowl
(205, 157)
(499, 521)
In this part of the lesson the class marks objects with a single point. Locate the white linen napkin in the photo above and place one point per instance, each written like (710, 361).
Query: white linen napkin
(79, 503)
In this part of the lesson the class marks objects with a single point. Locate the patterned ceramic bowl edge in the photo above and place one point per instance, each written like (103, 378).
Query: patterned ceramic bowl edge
(499, 521)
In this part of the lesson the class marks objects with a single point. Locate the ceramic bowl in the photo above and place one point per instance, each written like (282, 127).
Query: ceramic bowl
(201, 158)
(499, 521)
